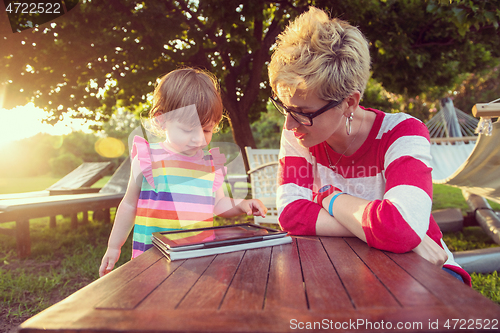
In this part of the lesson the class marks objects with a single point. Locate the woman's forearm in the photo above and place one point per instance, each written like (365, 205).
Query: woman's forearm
(347, 211)
(327, 225)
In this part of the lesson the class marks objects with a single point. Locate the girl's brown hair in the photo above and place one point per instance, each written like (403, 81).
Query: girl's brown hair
(183, 88)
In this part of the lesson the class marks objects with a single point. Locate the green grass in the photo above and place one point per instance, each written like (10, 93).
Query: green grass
(445, 196)
(488, 285)
(31, 184)
(62, 261)
(470, 238)
(25, 184)
(101, 182)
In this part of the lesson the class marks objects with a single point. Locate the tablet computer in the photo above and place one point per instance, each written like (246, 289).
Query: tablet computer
(202, 238)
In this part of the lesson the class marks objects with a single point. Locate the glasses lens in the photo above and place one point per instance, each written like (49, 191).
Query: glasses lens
(279, 106)
(301, 119)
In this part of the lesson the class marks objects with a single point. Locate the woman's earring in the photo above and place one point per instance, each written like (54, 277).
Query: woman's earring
(348, 123)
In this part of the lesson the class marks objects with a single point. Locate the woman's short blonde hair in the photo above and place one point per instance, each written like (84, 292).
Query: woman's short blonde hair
(180, 90)
(316, 53)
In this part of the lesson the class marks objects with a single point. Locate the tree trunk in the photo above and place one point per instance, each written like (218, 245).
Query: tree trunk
(242, 132)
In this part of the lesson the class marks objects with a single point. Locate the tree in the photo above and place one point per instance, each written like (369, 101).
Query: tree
(106, 55)
(417, 45)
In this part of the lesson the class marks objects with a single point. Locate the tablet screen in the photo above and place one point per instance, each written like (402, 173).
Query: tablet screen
(216, 234)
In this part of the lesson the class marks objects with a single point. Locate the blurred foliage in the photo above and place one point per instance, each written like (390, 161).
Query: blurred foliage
(419, 45)
(29, 157)
(481, 87)
(64, 164)
(44, 154)
(267, 129)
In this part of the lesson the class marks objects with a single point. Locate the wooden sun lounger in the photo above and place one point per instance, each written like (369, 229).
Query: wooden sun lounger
(22, 210)
(77, 181)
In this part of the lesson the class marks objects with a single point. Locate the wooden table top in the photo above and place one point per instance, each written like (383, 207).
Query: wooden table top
(314, 283)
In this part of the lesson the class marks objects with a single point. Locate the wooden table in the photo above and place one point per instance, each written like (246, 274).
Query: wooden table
(313, 283)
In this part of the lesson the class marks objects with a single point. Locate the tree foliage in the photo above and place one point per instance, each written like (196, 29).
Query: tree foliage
(28, 157)
(417, 45)
(107, 55)
(478, 88)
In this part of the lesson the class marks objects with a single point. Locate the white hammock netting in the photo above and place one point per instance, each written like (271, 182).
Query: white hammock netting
(459, 159)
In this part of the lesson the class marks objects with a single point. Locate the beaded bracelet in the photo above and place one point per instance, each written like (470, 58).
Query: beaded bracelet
(330, 207)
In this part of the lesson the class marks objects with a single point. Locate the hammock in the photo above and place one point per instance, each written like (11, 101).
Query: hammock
(461, 159)
(452, 140)
(480, 172)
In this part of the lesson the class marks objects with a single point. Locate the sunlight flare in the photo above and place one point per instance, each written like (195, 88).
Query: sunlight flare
(109, 147)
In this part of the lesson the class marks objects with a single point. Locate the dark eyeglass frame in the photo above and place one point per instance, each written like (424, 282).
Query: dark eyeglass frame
(284, 111)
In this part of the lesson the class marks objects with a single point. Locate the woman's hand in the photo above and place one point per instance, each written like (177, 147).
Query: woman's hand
(431, 251)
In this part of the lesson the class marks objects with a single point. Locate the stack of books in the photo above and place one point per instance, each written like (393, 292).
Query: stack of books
(184, 244)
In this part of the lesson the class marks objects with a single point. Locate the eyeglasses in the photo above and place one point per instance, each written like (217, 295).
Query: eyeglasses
(305, 119)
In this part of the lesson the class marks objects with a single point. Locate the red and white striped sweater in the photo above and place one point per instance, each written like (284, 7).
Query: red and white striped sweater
(391, 170)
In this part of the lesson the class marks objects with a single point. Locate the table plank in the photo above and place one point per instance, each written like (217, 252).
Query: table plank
(137, 289)
(81, 303)
(285, 288)
(364, 288)
(210, 289)
(407, 290)
(466, 302)
(172, 291)
(248, 288)
(284, 320)
(324, 289)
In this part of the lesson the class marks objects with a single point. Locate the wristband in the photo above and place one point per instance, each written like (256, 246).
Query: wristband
(330, 207)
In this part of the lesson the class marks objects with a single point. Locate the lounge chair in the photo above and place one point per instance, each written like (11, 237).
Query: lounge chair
(77, 181)
(22, 210)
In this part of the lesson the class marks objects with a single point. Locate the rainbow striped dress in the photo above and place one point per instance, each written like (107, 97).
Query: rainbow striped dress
(177, 191)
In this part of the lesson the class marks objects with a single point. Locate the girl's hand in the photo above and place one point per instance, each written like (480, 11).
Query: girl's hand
(431, 251)
(108, 261)
(253, 207)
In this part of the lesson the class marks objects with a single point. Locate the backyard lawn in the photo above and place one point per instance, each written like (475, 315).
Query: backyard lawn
(64, 260)
(31, 184)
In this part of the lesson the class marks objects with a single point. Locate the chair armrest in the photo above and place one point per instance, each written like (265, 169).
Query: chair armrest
(265, 165)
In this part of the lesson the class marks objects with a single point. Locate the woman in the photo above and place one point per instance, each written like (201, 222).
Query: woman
(346, 170)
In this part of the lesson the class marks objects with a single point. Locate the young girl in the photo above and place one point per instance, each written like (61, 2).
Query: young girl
(173, 182)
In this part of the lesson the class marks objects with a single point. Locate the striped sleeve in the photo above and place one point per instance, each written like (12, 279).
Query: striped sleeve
(399, 221)
(297, 213)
